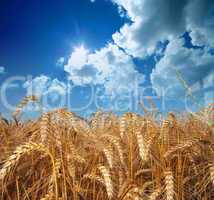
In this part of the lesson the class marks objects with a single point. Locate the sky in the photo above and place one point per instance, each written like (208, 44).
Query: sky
(90, 55)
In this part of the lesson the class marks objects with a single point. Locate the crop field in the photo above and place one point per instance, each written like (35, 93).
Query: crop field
(128, 157)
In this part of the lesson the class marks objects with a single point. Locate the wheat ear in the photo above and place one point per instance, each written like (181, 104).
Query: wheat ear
(44, 126)
(211, 170)
(23, 103)
(180, 147)
(94, 177)
(47, 197)
(14, 158)
(154, 195)
(143, 148)
(122, 126)
(107, 178)
(169, 185)
(133, 194)
(115, 142)
(109, 155)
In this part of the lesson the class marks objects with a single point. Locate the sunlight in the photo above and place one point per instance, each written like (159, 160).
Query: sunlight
(81, 50)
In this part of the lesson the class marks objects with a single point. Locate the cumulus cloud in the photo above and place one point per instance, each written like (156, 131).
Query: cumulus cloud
(2, 70)
(42, 85)
(193, 66)
(200, 21)
(80, 72)
(46, 88)
(154, 21)
(110, 66)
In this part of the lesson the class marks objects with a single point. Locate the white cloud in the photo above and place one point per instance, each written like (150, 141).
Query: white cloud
(78, 57)
(195, 66)
(60, 61)
(154, 21)
(37, 86)
(200, 20)
(160, 20)
(78, 68)
(109, 66)
(43, 86)
(2, 70)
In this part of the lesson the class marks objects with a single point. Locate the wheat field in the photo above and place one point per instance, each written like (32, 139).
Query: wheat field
(131, 157)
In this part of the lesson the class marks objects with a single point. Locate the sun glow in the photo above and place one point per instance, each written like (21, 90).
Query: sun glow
(81, 50)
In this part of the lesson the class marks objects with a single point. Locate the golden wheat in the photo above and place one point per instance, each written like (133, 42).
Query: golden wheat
(44, 126)
(61, 156)
(14, 158)
(107, 178)
(23, 103)
(211, 170)
(169, 185)
(155, 194)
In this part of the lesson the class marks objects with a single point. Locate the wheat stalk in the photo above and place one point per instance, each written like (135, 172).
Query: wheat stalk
(56, 175)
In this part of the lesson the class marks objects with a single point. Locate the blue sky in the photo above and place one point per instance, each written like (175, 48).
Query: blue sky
(121, 50)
